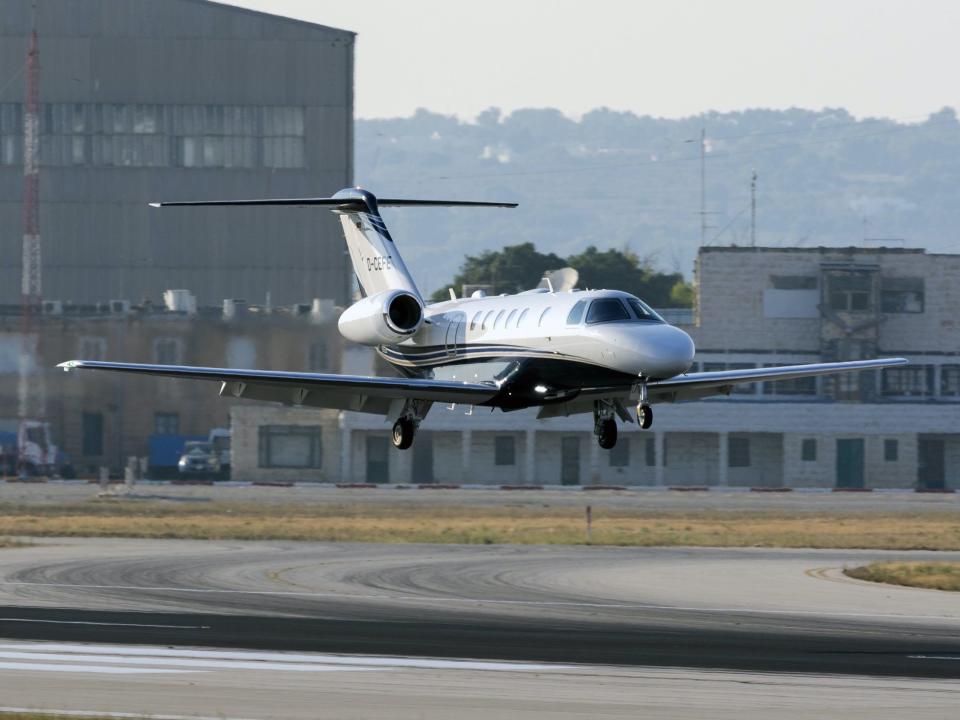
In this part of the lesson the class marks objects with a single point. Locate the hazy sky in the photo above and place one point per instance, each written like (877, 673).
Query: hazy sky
(666, 57)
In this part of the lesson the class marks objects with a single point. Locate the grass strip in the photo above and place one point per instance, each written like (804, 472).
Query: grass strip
(931, 575)
(536, 524)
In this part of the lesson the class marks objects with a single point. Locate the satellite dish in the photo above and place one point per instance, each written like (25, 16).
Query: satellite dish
(562, 280)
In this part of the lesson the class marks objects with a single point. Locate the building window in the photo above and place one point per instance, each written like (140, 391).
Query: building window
(901, 295)
(950, 380)
(793, 282)
(92, 348)
(650, 451)
(620, 454)
(910, 381)
(290, 446)
(891, 450)
(504, 450)
(738, 452)
(166, 423)
(808, 450)
(168, 351)
(317, 356)
(849, 292)
(92, 430)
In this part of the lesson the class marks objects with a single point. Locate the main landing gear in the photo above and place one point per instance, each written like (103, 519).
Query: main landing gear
(605, 424)
(409, 414)
(403, 431)
(644, 411)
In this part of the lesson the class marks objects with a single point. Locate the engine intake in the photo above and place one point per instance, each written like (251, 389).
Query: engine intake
(388, 317)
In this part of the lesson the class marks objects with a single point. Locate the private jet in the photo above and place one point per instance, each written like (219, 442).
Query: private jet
(565, 351)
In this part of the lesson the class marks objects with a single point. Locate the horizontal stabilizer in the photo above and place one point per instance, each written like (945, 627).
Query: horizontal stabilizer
(337, 203)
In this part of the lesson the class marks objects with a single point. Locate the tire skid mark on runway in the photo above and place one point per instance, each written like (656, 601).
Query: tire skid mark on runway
(251, 660)
(483, 601)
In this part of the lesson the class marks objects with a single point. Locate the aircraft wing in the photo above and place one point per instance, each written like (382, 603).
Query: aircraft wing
(340, 392)
(694, 386)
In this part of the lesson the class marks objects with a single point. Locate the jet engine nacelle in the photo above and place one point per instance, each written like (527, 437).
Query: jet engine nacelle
(388, 317)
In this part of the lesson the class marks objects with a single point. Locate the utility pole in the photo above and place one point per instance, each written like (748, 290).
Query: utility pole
(30, 391)
(703, 185)
(704, 225)
(753, 210)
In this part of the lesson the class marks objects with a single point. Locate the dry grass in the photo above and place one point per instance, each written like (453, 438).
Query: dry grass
(932, 575)
(483, 525)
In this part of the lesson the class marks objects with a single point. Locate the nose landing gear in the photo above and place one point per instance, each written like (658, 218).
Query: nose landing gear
(644, 416)
(644, 411)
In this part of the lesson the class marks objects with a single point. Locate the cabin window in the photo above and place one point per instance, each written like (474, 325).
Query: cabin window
(576, 313)
(523, 316)
(486, 320)
(496, 323)
(606, 310)
(476, 320)
(511, 316)
(543, 315)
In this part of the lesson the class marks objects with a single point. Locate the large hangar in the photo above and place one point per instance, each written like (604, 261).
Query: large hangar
(144, 100)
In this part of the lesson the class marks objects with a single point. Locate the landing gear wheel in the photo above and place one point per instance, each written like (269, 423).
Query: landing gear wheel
(403, 432)
(607, 433)
(644, 416)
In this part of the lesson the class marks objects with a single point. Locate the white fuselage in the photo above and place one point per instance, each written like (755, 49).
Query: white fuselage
(537, 325)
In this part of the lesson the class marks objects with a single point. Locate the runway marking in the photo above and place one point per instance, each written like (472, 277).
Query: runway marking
(932, 657)
(107, 624)
(101, 713)
(253, 659)
(484, 601)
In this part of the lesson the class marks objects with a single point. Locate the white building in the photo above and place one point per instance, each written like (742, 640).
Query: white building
(755, 307)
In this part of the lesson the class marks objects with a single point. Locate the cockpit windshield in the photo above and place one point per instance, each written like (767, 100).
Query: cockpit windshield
(615, 310)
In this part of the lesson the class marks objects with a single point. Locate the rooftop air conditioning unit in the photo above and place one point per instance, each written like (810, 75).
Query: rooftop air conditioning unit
(180, 301)
(53, 307)
(119, 307)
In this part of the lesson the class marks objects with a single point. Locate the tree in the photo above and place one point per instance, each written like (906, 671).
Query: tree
(515, 268)
(520, 267)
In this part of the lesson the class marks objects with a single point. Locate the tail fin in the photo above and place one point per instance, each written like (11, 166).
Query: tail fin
(376, 261)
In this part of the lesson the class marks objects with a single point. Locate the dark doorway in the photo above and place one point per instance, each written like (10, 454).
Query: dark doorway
(378, 460)
(850, 463)
(423, 458)
(931, 471)
(92, 429)
(570, 460)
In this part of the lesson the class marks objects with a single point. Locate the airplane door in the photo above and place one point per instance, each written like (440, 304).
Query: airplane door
(455, 336)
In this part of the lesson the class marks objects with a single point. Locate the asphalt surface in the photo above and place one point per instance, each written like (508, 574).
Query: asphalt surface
(743, 609)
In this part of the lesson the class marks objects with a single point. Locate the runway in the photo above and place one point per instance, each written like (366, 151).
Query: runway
(604, 630)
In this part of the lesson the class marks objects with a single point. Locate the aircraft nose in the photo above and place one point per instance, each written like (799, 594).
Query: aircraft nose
(663, 351)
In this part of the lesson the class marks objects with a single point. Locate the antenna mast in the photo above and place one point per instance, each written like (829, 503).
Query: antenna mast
(753, 210)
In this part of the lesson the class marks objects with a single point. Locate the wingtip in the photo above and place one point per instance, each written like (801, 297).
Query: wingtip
(154, 204)
(70, 364)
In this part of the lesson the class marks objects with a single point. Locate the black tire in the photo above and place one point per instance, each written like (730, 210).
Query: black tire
(403, 431)
(645, 417)
(607, 437)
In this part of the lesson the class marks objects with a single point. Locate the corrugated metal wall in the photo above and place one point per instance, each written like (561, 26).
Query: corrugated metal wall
(100, 240)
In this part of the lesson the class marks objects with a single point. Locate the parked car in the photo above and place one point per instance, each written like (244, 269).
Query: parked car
(199, 459)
